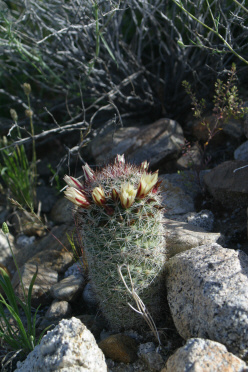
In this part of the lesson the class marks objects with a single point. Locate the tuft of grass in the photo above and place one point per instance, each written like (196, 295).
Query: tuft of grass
(13, 330)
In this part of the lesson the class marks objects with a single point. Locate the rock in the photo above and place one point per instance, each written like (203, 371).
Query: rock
(228, 184)
(190, 159)
(187, 180)
(41, 289)
(58, 309)
(24, 240)
(68, 288)
(153, 360)
(120, 348)
(77, 269)
(55, 260)
(231, 130)
(56, 240)
(199, 355)
(26, 224)
(241, 153)
(157, 143)
(182, 236)
(47, 197)
(207, 291)
(69, 347)
(62, 212)
(89, 297)
(204, 219)
(5, 252)
(175, 200)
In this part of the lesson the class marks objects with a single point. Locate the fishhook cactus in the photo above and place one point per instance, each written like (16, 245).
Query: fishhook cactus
(121, 222)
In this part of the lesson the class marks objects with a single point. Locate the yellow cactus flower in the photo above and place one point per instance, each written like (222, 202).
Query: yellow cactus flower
(73, 182)
(98, 196)
(77, 197)
(127, 195)
(147, 182)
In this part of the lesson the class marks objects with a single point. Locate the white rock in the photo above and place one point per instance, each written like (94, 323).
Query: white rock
(181, 236)
(208, 295)
(199, 355)
(5, 253)
(69, 347)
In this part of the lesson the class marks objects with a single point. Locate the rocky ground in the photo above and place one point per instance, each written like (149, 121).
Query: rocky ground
(204, 315)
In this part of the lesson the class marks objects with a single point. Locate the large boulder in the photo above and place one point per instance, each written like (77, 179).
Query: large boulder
(182, 236)
(228, 183)
(158, 143)
(207, 291)
(199, 355)
(69, 347)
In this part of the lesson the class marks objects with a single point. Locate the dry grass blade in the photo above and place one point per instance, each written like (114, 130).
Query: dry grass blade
(141, 308)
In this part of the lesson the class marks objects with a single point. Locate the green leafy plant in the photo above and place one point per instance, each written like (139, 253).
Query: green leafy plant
(12, 329)
(55, 177)
(226, 105)
(120, 219)
(18, 174)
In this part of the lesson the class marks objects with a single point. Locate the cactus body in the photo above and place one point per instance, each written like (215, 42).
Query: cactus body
(119, 228)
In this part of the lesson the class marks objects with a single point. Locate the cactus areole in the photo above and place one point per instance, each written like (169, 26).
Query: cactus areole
(120, 218)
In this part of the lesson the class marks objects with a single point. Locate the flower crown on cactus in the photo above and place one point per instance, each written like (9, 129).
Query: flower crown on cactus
(86, 195)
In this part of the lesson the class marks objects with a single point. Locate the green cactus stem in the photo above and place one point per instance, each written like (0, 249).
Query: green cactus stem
(122, 225)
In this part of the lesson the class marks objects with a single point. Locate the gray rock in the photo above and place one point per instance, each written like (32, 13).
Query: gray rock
(157, 143)
(24, 240)
(182, 236)
(47, 243)
(58, 309)
(5, 252)
(41, 290)
(229, 185)
(68, 288)
(76, 269)
(175, 200)
(152, 359)
(208, 295)
(199, 355)
(47, 197)
(89, 296)
(69, 347)
(241, 153)
(190, 159)
(62, 211)
(204, 219)
(186, 180)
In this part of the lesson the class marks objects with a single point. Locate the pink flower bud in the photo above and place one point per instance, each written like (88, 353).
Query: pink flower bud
(114, 195)
(144, 166)
(73, 182)
(88, 173)
(127, 195)
(147, 182)
(120, 160)
(98, 196)
(77, 197)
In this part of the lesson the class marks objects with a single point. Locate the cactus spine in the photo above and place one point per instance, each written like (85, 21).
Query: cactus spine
(121, 222)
